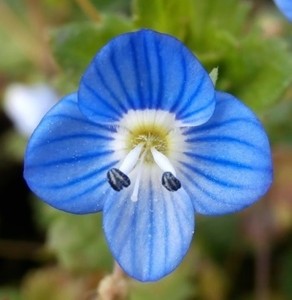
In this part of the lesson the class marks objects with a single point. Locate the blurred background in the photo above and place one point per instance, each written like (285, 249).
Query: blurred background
(45, 46)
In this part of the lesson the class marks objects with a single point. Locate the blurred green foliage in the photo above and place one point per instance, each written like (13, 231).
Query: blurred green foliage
(53, 41)
(75, 44)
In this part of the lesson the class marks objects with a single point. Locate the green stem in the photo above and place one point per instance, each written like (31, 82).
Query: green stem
(89, 9)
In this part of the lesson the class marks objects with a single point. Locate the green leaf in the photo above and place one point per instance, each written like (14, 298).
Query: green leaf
(218, 15)
(190, 20)
(278, 122)
(219, 235)
(9, 293)
(168, 16)
(285, 273)
(78, 242)
(75, 45)
(271, 62)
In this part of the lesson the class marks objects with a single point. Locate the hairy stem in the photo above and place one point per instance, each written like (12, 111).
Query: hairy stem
(114, 286)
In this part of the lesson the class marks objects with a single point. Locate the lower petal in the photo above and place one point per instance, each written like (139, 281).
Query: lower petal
(228, 162)
(149, 237)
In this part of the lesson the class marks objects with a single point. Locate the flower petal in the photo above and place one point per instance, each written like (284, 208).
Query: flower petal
(285, 6)
(228, 165)
(146, 70)
(67, 159)
(149, 237)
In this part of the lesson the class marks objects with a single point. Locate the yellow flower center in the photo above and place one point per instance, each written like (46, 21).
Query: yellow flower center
(150, 136)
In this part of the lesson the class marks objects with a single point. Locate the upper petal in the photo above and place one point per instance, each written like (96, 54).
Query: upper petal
(146, 70)
(149, 237)
(67, 159)
(285, 6)
(228, 162)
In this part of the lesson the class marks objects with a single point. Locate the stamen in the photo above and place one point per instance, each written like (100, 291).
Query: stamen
(170, 182)
(117, 179)
(162, 161)
(131, 159)
(134, 196)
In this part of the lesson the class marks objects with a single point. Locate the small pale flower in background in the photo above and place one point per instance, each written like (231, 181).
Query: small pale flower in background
(147, 140)
(285, 6)
(26, 105)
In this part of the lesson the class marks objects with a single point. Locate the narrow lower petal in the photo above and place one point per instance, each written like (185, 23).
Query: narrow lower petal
(285, 6)
(228, 162)
(67, 159)
(146, 70)
(149, 237)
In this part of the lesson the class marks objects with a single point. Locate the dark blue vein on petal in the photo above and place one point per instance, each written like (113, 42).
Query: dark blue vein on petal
(227, 139)
(159, 95)
(120, 79)
(148, 66)
(109, 89)
(115, 226)
(104, 102)
(178, 223)
(71, 118)
(151, 226)
(87, 136)
(166, 234)
(227, 163)
(71, 102)
(76, 158)
(84, 192)
(213, 179)
(211, 196)
(117, 221)
(133, 239)
(181, 110)
(79, 179)
(140, 99)
(82, 121)
(199, 110)
(227, 123)
(186, 214)
(182, 89)
(203, 190)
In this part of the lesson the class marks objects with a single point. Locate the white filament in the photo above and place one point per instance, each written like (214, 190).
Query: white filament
(131, 159)
(162, 161)
(134, 196)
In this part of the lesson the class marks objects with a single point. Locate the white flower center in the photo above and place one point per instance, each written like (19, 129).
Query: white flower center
(146, 138)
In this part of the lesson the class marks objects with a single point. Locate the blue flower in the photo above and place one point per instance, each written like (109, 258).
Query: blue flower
(148, 140)
(285, 6)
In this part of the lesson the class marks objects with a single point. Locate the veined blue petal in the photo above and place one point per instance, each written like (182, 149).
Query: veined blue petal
(228, 165)
(146, 70)
(67, 159)
(285, 6)
(150, 237)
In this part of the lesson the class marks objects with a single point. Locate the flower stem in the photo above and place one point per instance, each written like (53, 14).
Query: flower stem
(114, 286)
(39, 28)
(89, 10)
